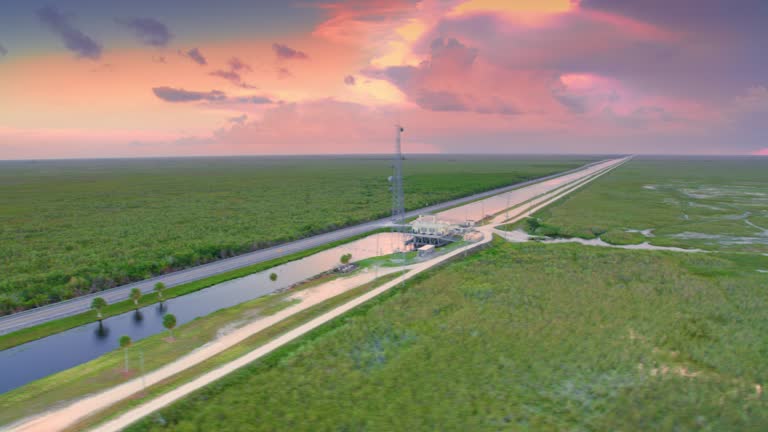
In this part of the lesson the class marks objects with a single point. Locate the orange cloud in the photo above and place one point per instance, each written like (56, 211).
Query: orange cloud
(349, 22)
(515, 6)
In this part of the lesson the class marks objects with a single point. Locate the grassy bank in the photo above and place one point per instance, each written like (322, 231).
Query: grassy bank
(72, 227)
(520, 336)
(706, 203)
(52, 327)
(107, 371)
(233, 353)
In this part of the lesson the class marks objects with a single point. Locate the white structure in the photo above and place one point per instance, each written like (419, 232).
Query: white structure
(430, 225)
(426, 250)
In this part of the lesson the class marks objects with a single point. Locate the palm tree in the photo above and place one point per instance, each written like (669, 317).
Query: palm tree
(169, 322)
(346, 258)
(159, 288)
(273, 277)
(98, 304)
(136, 296)
(125, 342)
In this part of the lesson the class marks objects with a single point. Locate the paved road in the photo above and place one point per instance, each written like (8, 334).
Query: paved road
(60, 418)
(81, 304)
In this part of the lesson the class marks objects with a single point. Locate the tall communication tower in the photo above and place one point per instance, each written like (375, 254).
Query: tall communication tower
(398, 201)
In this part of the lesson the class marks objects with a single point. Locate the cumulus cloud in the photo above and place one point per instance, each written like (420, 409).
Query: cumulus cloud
(283, 73)
(575, 102)
(639, 118)
(73, 39)
(349, 80)
(170, 94)
(227, 75)
(653, 45)
(239, 119)
(180, 95)
(196, 56)
(148, 30)
(450, 80)
(236, 66)
(285, 52)
(755, 100)
(440, 101)
(360, 21)
(256, 100)
(293, 128)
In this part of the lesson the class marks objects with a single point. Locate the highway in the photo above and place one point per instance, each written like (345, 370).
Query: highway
(81, 304)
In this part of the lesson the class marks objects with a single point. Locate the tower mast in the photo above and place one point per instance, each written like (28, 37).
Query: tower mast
(398, 200)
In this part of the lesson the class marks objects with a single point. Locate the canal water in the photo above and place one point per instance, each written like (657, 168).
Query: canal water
(37, 359)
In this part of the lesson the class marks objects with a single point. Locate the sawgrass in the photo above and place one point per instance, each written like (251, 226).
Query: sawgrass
(522, 337)
(688, 202)
(107, 371)
(73, 227)
(48, 328)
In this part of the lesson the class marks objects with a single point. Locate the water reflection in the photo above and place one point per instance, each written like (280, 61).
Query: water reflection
(102, 331)
(37, 359)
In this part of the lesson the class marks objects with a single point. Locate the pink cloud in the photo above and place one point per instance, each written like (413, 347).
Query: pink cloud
(455, 78)
(350, 22)
(323, 126)
(761, 152)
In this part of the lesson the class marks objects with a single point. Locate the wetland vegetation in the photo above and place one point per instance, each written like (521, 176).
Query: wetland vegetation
(69, 228)
(520, 336)
(109, 370)
(705, 203)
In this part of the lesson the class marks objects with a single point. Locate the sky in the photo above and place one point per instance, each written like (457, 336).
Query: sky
(90, 78)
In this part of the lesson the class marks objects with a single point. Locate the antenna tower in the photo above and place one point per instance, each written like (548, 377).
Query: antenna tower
(398, 200)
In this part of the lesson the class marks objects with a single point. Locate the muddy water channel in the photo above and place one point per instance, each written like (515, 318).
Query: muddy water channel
(519, 236)
(37, 359)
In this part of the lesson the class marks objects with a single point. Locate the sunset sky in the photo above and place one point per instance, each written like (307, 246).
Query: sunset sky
(95, 78)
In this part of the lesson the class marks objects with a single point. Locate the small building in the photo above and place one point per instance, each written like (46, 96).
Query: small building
(428, 230)
(430, 225)
(426, 250)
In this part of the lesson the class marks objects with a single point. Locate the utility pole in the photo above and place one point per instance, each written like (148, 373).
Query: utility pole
(141, 362)
(377, 254)
(507, 218)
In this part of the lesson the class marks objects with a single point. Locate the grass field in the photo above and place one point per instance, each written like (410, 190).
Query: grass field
(48, 328)
(706, 203)
(74, 227)
(522, 337)
(107, 370)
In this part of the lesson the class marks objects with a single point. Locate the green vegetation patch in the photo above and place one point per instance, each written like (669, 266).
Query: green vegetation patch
(52, 327)
(231, 354)
(618, 237)
(707, 203)
(69, 228)
(107, 370)
(519, 336)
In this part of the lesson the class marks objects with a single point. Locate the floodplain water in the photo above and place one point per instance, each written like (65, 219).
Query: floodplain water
(39, 358)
